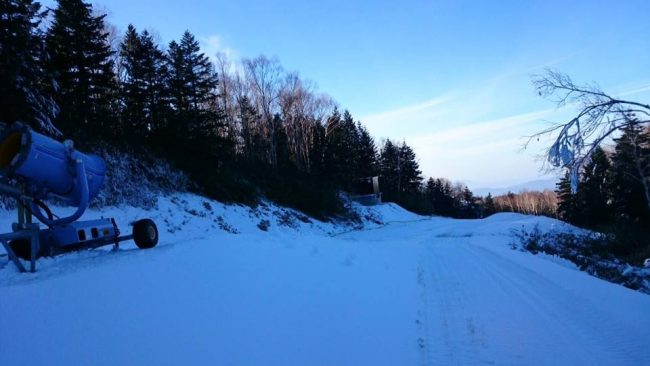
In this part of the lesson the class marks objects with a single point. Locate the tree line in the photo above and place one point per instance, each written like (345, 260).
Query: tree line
(240, 129)
(611, 191)
(539, 203)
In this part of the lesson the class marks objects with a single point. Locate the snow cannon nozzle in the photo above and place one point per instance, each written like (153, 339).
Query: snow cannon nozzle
(48, 167)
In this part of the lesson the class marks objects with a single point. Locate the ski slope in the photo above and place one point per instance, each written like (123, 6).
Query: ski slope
(410, 291)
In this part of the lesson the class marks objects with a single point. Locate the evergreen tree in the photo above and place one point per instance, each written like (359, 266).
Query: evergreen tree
(178, 84)
(400, 177)
(317, 150)
(144, 84)
(410, 176)
(489, 206)
(448, 207)
(567, 207)
(349, 148)
(593, 196)
(469, 204)
(286, 164)
(131, 83)
(439, 192)
(388, 170)
(366, 153)
(197, 126)
(156, 80)
(332, 146)
(630, 164)
(193, 85)
(24, 85)
(430, 191)
(246, 118)
(341, 150)
(80, 60)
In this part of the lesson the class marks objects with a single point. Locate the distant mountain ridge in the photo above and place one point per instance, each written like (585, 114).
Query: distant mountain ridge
(534, 185)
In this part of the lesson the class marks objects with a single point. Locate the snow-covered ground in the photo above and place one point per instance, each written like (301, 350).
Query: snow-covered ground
(405, 290)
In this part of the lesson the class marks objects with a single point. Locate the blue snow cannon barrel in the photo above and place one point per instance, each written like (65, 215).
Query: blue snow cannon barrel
(47, 166)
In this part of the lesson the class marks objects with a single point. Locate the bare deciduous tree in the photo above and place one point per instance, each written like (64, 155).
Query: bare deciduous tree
(528, 202)
(253, 91)
(599, 117)
(301, 108)
(264, 76)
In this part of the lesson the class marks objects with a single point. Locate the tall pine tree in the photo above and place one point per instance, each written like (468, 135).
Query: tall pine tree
(469, 205)
(389, 170)
(410, 176)
(197, 126)
(131, 83)
(400, 175)
(439, 198)
(25, 87)
(348, 144)
(80, 60)
(193, 84)
(341, 150)
(489, 207)
(630, 164)
(592, 198)
(366, 153)
(144, 84)
(567, 208)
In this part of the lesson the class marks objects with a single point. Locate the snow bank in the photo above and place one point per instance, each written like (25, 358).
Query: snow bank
(187, 216)
(237, 285)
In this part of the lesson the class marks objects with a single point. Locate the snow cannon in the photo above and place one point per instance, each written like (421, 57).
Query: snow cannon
(34, 167)
(49, 166)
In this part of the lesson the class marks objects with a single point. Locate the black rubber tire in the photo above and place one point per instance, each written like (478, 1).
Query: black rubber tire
(22, 248)
(145, 233)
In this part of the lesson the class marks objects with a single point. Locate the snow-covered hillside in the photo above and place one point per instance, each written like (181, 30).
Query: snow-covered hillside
(230, 285)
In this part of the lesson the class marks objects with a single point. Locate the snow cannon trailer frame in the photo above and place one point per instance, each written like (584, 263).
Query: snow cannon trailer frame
(34, 167)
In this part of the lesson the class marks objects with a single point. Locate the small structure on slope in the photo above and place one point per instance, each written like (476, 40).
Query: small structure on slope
(366, 191)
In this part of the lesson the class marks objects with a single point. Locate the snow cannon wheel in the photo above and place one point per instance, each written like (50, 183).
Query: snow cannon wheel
(145, 233)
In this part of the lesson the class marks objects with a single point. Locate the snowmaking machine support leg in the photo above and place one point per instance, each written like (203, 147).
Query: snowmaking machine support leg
(12, 256)
(29, 234)
(25, 229)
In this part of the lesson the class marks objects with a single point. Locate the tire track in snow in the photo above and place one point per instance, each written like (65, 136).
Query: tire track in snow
(422, 320)
(484, 308)
(454, 336)
(536, 323)
(575, 315)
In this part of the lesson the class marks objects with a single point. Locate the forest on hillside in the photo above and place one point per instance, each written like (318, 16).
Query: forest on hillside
(245, 129)
(241, 129)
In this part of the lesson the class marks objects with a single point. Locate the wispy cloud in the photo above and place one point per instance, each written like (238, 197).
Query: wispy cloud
(477, 131)
(213, 44)
(424, 110)
(635, 91)
(487, 151)
(480, 130)
(454, 108)
(463, 136)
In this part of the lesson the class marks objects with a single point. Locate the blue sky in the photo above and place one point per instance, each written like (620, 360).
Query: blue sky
(452, 78)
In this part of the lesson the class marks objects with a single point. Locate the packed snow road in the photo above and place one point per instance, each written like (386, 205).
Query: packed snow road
(483, 303)
(415, 292)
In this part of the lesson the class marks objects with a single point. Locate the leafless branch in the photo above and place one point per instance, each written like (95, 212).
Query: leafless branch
(599, 116)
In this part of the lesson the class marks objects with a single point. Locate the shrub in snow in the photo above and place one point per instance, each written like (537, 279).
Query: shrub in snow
(137, 180)
(590, 251)
(264, 225)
